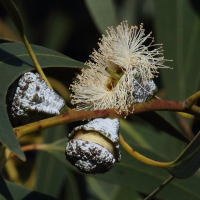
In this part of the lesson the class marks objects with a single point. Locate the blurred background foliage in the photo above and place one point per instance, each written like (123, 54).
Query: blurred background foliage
(74, 28)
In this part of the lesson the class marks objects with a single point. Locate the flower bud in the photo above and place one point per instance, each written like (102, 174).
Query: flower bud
(94, 148)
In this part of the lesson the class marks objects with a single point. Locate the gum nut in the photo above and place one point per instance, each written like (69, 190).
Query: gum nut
(142, 91)
(93, 148)
(89, 157)
(34, 100)
(107, 127)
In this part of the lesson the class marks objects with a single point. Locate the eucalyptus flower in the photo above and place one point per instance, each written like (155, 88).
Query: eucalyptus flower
(120, 73)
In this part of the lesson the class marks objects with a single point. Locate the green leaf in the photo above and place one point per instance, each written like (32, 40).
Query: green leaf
(145, 179)
(178, 28)
(128, 10)
(145, 135)
(102, 13)
(12, 191)
(15, 61)
(130, 194)
(138, 176)
(71, 187)
(188, 162)
(137, 136)
(60, 30)
(101, 189)
(49, 170)
(14, 14)
(160, 123)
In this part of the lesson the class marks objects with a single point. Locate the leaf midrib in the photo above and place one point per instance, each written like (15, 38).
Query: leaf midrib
(37, 54)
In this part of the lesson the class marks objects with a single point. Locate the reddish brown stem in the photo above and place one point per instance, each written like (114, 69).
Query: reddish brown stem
(30, 147)
(72, 115)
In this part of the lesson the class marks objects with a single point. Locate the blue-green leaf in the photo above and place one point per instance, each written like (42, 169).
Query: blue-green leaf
(15, 61)
(11, 191)
(102, 13)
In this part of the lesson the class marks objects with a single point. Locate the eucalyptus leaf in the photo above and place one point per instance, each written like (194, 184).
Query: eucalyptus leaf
(49, 170)
(71, 187)
(146, 136)
(15, 61)
(12, 191)
(160, 123)
(188, 162)
(128, 194)
(103, 13)
(129, 11)
(100, 189)
(14, 14)
(178, 27)
(138, 176)
(60, 30)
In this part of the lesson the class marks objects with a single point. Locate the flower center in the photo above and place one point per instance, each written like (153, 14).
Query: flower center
(115, 77)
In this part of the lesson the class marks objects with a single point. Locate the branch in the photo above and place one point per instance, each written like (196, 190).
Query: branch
(140, 157)
(73, 115)
(35, 61)
(190, 101)
(4, 157)
(30, 147)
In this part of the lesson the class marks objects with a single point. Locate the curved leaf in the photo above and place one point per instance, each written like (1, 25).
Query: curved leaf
(102, 13)
(146, 136)
(12, 191)
(188, 162)
(178, 28)
(161, 123)
(49, 170)
(14, 61)
(14, 14)
(138, 176)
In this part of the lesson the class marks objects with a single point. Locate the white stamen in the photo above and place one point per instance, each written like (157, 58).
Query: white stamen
(122, 49)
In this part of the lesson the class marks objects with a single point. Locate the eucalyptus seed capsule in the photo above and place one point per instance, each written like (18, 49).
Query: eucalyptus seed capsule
(33, 100)
(143, 91)
(94, 148)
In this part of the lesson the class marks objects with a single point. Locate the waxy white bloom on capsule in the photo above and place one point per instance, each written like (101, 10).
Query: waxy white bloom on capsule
(120, 73)
(94, 147)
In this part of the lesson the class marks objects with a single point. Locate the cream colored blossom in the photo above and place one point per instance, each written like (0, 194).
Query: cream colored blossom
(121, 53)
